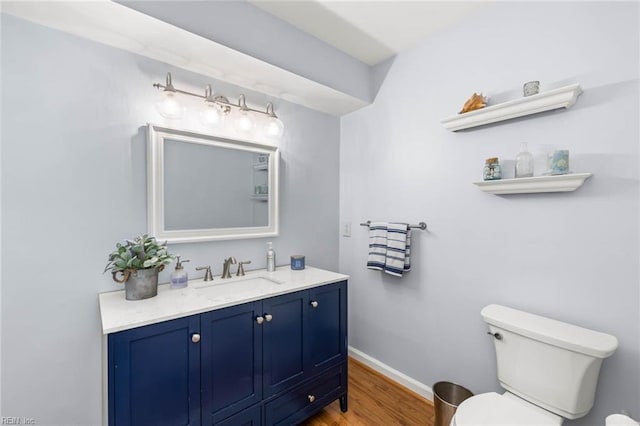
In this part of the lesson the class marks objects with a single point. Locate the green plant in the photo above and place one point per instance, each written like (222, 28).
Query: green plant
(144, 252)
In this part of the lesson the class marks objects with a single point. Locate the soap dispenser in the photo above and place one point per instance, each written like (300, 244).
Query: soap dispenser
(271, 258)
(179, 276)
(524, 162)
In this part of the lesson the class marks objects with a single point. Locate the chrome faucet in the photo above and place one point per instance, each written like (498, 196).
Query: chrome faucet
(241, 264)
(226, 267)
(207, 275)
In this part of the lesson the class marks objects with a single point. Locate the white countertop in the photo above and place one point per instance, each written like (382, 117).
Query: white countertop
(119, 314)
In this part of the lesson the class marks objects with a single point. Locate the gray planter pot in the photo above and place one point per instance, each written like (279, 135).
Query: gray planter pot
(141, 284)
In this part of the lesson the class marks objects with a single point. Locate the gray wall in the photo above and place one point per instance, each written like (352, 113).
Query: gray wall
(74, 183)
(573, 256)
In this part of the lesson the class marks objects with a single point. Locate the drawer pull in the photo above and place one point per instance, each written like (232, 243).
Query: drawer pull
(314, 303)
(259, 320)
(268, 317)
(311, 398)
(195, 337)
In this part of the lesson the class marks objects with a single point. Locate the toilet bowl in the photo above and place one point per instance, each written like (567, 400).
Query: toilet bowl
(548, 368)
(619, 420)
(493, 409)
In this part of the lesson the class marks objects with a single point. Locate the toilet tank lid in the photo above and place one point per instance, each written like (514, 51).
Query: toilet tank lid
(553, 332)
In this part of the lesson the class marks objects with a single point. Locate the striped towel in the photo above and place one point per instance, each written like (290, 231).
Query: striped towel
(389, 248)
(377, 245)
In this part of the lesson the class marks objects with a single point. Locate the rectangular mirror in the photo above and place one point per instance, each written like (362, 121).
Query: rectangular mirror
(205, 188)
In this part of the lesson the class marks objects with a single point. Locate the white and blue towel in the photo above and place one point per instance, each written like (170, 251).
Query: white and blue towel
(389, 248)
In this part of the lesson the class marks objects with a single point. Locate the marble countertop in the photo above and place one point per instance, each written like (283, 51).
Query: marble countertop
(119, 314)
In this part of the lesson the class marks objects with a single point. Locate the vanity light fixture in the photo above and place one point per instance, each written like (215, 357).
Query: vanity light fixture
(243, 122)
(216, 108)
(168, 106)
(212, 114)
(273, 126)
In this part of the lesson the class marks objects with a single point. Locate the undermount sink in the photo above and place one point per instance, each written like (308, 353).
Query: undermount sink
(238, 285)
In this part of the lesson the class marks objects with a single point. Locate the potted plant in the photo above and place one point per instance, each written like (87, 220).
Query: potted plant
(139, 261)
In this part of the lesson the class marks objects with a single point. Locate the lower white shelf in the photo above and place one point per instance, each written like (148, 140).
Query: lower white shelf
(553, 183)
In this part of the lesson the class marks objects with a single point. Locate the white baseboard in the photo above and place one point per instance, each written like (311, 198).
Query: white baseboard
(393, 374)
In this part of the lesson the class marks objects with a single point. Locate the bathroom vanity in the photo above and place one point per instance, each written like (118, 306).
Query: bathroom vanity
(268, 348)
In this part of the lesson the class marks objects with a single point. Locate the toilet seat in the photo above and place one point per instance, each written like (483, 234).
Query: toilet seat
(493, 409)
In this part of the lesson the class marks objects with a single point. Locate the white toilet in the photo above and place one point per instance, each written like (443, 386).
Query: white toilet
(619, 420)
(548, 368)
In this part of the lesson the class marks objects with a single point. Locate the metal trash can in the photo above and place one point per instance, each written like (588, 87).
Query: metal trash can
(446, 398)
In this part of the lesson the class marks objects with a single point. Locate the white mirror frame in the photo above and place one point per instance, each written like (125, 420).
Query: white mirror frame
(155, 187)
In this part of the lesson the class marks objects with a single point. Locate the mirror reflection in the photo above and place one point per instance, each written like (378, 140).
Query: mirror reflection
(206, 188)
(227, 187)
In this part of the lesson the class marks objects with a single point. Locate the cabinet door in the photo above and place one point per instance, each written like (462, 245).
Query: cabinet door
(284, 349)
(154, 374)
(231, 361)
(327, 326)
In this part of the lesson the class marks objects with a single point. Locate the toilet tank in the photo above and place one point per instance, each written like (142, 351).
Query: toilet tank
(549, 363)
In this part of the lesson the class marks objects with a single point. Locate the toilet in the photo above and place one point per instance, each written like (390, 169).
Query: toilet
(548, 368)
(619, 420)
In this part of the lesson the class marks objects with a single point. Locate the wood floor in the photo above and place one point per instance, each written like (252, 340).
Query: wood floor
(374, 400)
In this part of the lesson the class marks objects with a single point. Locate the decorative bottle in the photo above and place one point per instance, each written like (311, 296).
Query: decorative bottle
(492, 169)
(179, 276)
(524, 162)
(271, 258)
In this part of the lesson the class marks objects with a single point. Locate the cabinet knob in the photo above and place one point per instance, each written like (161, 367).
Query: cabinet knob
(195, 337)
(268, 317)
(314, 303)
(311, 398)
(259, 320)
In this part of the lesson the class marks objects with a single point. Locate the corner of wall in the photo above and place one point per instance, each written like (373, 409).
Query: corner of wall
(392, 374)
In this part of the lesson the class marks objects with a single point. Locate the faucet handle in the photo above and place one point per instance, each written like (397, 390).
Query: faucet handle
(241, 267)
(207, 275)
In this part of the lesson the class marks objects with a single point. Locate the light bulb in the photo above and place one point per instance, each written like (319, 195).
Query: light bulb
(243, 122)
(211, 115)
(168, 106)
(273, 127)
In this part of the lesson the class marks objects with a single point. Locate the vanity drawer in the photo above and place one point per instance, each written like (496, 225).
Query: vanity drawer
(307, 398)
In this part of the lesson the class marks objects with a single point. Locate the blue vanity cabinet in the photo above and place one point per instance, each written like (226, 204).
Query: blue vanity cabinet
(154, 374)
(306, 399)
(249, 417)
(327, 322)
(325, 368)
(231, 361)
(273, 361)
(285, 352)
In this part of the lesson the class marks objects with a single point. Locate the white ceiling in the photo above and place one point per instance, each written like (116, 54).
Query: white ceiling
(370, 30)
(121, 27)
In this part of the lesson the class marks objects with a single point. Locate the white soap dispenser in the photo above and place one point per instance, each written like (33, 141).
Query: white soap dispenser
(179, 277)
(524, 162)
(271, 258)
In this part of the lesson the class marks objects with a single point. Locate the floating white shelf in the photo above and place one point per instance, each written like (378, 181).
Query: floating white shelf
(563, 97)
(554, 183)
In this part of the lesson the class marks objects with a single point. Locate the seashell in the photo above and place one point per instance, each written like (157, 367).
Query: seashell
(476, 101)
